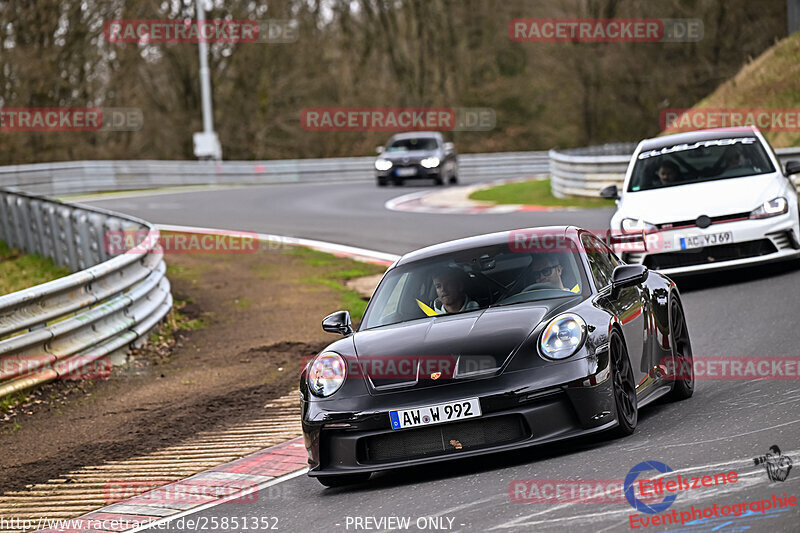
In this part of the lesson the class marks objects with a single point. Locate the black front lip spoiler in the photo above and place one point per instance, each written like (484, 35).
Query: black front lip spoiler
(529, 443)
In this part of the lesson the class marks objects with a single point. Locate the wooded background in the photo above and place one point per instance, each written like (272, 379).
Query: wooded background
(363, 53)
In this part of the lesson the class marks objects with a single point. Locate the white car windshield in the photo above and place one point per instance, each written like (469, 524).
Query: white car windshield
(414, 143)
(697, 162)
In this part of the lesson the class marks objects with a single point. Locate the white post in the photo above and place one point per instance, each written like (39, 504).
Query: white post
(206, 144)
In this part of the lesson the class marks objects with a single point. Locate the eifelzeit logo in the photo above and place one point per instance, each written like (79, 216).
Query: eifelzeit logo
(777, 465)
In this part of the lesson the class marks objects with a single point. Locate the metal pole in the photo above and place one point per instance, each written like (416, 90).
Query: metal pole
(205, 81)
(792, 16)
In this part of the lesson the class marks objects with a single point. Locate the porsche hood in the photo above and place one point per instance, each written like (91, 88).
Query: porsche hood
(429, 352)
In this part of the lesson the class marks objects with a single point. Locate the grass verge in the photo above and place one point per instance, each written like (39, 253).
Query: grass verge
(20, 271)
(534, 192)
(771, 81)
(334, 272)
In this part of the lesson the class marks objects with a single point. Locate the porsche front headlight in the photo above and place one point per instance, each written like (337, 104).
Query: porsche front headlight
(563, 336)
(430, 162)
(326, 374)
(776, 206)
(383, 164)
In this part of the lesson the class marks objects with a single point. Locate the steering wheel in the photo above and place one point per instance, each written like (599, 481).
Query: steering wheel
(538, 286)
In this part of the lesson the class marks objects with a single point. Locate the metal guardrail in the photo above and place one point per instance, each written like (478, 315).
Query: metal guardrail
(585, 171)
(108, 305)
(58, 179)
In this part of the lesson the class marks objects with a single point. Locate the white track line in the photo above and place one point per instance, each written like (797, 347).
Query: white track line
(322, 246)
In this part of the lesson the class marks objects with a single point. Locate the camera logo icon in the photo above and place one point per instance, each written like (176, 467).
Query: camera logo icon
(777, 465)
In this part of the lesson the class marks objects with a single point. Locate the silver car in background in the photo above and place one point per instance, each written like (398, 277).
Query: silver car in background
(416, 155)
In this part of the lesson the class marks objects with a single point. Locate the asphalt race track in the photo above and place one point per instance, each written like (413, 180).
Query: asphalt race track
(345, 213)
(723, 427)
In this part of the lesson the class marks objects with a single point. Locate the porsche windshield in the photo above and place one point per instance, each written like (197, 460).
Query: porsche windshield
(471, 281)
(684, 164)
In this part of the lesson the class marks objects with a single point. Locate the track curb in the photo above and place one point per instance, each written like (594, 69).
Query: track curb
(235, 482)
(456, 201)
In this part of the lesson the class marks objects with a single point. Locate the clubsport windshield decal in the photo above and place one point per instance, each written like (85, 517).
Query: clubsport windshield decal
(694, 146)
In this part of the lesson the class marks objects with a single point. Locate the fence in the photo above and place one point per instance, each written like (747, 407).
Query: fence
(585, 171)
(107, 305)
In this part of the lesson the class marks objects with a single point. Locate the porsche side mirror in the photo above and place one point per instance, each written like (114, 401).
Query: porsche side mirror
(792, 167)
(338, 322)
(627, 276)
(610, 193)
(379, 149)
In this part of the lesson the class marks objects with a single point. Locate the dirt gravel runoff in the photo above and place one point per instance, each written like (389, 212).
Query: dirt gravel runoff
(248, 319)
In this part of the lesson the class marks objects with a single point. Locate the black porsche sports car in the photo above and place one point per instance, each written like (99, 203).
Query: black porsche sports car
(491, 343)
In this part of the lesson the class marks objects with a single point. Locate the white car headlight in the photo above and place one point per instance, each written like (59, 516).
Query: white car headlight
(383, 164)
(326, 374)
(636, 225)
(563, 336)
(430, 162)
(776, 206)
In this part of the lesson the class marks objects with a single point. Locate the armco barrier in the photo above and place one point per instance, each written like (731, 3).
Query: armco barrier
(585, 171)
(76, 177)
(107, 305)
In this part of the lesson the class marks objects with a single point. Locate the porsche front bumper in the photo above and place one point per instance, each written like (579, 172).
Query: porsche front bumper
(522, 408)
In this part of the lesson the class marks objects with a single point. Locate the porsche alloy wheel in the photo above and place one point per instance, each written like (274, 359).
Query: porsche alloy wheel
(624, 387)
(681, 352)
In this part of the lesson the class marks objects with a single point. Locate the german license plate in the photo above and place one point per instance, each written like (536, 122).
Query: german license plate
(699, 241)
(405, 172)
(435, 414)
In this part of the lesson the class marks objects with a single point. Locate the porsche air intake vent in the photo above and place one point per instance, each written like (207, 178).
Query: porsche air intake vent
(443, 439)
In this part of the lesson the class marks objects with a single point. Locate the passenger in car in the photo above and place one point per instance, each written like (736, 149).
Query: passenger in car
(733, 158)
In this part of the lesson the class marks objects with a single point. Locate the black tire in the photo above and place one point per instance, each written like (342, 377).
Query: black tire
(453, 179)
(438, 181)
(623, 386)
(682, 352)
(343, 481)
(381, 182)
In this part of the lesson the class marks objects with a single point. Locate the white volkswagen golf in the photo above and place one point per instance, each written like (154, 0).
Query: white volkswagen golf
(708, 200)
